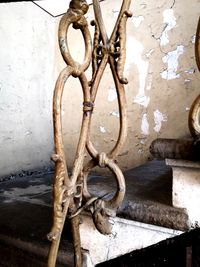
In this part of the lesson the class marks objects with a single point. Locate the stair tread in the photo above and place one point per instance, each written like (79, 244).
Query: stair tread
(26, 210)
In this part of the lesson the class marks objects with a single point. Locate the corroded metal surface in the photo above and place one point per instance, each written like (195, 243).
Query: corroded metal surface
(194, 115)
(71, 195)
(194, 118)
(197, 45)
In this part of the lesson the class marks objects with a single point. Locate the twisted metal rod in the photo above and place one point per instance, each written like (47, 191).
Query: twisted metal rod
(70, 191)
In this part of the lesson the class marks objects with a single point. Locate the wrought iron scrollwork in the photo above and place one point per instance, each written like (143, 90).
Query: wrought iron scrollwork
(71, 195)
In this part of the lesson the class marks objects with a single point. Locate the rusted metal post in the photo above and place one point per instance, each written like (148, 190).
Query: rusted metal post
(194, 115)
(71, 195)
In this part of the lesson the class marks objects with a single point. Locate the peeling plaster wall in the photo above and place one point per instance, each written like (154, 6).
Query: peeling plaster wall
(162, 74)
(164, 79)
(26, 84)
(160, 67)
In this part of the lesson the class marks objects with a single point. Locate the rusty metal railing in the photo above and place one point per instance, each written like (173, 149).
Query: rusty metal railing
(194, 115)
(71, 195)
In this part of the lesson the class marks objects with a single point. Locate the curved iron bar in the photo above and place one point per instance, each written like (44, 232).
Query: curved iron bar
(70, 192)
(194, 118)
(112, 53)
(194, 114)
(197, 45)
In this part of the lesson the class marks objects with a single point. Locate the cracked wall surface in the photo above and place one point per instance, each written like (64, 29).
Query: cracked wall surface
(160, 66)
(163, 80)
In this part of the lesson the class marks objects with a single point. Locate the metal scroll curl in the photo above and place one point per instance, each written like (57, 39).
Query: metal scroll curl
(194, 118)
(70, 192)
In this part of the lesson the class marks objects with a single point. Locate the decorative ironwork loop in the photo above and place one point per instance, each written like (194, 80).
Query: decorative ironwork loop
(70, 189)
(103, 160)
(117, 198)
(76, 18)
(65, 186)
(110, 51)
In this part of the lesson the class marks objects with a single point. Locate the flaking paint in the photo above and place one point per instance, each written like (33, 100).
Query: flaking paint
(171, 59)
(145, 125)
(169, 21)
(135, 50)
(27, 140)
(159, 118)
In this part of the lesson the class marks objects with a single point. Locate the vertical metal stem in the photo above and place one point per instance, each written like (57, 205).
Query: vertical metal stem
(66, 187)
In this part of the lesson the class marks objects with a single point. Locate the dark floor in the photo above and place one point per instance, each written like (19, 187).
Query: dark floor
(25, 211)
(148, 196)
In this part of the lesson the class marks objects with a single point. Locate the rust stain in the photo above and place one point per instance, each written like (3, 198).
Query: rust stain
(70, 190)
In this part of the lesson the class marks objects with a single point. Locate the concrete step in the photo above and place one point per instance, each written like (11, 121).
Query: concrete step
(26, 215)
(25, 210)
(148, 196)
(180, 251)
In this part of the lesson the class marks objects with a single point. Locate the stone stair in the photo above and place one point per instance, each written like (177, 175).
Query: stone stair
(144, 218)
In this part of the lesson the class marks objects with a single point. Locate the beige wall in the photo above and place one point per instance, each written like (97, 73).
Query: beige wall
(163, 80)
(161, 69)
(27, 79)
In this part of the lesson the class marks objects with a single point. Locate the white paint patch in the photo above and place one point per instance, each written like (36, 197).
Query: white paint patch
(27, 133)
(145, 125)
(187, 109)
(148, 54)
(171, 59)
(149, 82)
(143, 141)
(142, 100)
(190, 71)
(102, 129)
(158, 119)
(115, 114)
(170, 22)
(134, 56)
(188, 80)
(140, 151)
(137, 21)
(193, 38)
(112, 95)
